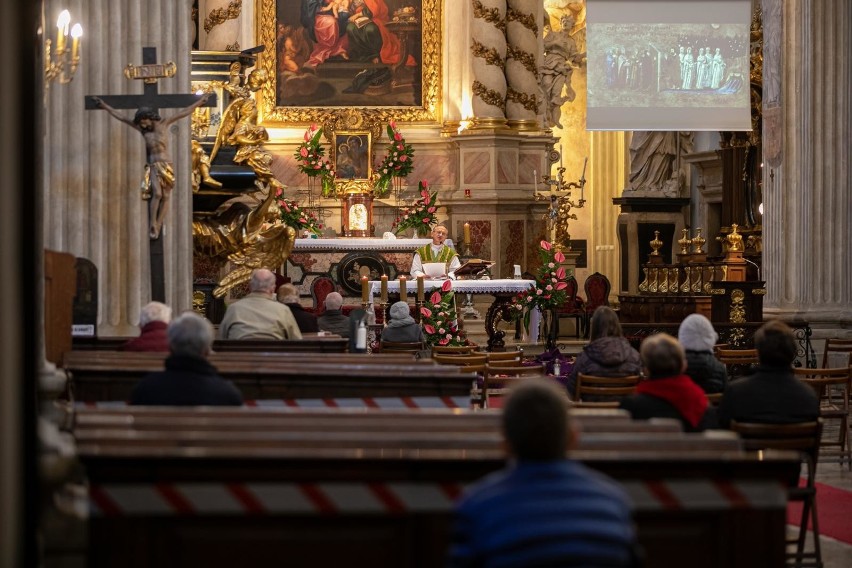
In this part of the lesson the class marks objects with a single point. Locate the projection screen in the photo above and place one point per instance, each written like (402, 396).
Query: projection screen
(668, 65)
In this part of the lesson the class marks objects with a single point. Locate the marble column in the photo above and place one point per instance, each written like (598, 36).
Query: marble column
(488, 45)
(522, 63)
(93, 164)
(607, 175)
(807, 182)
(219, 25)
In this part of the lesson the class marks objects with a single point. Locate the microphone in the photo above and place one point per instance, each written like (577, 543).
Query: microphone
(754, 264)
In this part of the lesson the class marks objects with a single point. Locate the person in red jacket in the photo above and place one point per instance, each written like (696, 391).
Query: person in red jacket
(153, 319)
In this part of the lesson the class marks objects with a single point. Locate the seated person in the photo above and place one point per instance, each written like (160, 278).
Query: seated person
(772, 394)
(259, 315)
(542, 509)
(189, 379)
(697, 336)
(332, 319)
(436, 251)
(402, 328)
(153, 319)
(666, 392)
(608, 353)
(289, 296)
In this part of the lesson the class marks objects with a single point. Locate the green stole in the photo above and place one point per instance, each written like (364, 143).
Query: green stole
(445, 255)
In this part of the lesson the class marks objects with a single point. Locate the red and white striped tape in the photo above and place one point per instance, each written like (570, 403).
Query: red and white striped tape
(387, 403)
(390, 498)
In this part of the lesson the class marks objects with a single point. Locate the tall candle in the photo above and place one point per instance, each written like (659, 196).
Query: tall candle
(403, 292)
(365, 289)
(384, 288)
(585, 161)
(535, 181)
(467, 233)
(76, 32)
(560, 155)
(62, 30)
(420, 288)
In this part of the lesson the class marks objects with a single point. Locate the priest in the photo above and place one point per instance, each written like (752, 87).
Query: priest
(436, 251)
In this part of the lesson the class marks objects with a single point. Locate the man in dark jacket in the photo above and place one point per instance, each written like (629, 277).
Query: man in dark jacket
(333, 320)
(542, 509)
(667, 392)
(189, 379)
(153, 319)
(772, 394)
(289, 296)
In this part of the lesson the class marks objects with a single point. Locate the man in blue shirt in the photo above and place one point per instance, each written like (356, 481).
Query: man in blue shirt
(542, 509)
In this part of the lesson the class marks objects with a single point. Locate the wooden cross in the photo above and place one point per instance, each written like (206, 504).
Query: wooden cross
(149, 72)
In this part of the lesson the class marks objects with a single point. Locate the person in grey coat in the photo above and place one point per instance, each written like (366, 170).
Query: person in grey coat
(402, 327)
(608, 353)
(697, 336)
(332, 320)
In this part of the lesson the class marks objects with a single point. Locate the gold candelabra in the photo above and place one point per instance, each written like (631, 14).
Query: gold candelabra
(559, 196)
(61, 63)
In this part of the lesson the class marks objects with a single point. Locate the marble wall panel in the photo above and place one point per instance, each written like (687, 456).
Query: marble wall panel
(507, 167)
(477, 167)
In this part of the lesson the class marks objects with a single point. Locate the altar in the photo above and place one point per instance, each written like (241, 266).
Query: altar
(345, 260)
(503, 291)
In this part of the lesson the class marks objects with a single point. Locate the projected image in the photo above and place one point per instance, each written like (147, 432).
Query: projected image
(668, 65)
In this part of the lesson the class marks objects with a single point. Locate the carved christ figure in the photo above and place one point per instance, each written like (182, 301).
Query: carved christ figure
(159, 172)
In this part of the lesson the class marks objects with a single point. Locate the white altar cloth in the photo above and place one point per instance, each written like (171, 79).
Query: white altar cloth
(352, 244)
(501, 286)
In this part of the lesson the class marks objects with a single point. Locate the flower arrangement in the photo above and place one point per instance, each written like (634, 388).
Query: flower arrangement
(438, 317)
(300, 219)
(398, 162)
(550, 285)
(421, 215)
(309, 155)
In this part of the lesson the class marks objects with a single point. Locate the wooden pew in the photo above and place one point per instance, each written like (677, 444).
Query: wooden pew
(110, 376)
(310, 343)
(385, 496)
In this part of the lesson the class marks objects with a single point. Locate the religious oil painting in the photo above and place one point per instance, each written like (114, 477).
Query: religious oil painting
(333, 55)
(352, 155)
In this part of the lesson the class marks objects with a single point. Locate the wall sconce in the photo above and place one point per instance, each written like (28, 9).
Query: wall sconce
(64, 63)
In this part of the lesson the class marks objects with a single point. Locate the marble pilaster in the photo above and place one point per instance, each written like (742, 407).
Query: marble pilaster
(807, 188)
(94, 164)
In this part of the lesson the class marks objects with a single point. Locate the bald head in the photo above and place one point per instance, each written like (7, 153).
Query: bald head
(263, 281)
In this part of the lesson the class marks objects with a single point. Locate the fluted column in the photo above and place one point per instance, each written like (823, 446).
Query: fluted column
(93, 164)
(807, 193)
(488, 45)
(522, 63)
(607, 177)
(219, 25)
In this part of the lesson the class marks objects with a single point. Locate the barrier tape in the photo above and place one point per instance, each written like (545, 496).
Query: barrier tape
(386, 403)
(391, 498)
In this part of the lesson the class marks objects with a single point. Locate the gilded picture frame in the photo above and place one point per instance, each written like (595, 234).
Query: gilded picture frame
(352, 154)
(313, 80)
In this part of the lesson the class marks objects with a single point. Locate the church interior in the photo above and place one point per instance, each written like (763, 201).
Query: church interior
(325, 141)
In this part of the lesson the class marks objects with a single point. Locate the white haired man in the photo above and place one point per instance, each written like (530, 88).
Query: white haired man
(189, 379)
(332, 319)
(259, 315)
(154, 319)
(436, 251)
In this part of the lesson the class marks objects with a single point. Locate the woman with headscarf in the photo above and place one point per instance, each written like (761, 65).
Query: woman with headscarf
(402, 327)
(698, 337)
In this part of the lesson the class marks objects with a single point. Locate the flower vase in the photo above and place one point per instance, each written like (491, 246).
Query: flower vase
(549, 328)
(312, 187)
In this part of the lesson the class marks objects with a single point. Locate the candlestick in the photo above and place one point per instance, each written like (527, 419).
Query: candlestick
(365, 289)
(535, 181)
(467, 234)
(384, 288)
(403, 291)
(583, 175)
(560, 155)
(62, 30)
(420, 288)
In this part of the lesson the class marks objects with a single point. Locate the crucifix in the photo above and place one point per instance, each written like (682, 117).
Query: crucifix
(159, 173)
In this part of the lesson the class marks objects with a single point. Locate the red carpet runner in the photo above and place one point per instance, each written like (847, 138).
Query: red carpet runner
(834, 507)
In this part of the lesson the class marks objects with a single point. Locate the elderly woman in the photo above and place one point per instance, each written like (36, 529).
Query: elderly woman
(697, 336)
(608, 353)
(667, 392)
(402, 327)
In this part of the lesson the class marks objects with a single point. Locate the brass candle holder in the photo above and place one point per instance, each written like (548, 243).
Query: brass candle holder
(684, 241)
(698, 242)
(656, 244)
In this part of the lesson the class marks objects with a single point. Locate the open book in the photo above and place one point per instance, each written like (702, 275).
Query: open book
(473, 267)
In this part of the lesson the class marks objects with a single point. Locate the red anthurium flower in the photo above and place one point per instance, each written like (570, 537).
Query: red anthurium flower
(447, 285)
(435, 298)
(561, 285)
(546, 245)
(559, 257)
(426, 312)
(429, 329)
(560, 272)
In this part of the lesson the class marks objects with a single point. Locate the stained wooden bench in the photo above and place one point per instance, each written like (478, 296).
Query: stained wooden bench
(110, 376)
(196, 488)
(310, 343)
